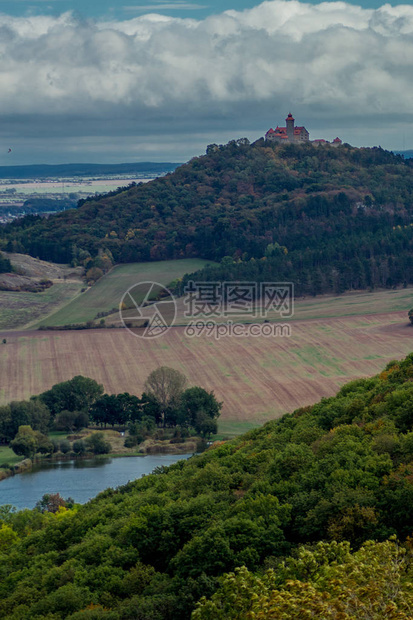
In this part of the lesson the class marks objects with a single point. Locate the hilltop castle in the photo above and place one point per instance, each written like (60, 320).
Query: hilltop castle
(290, 133)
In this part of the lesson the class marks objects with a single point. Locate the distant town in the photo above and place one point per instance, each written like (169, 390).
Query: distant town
(44, 190)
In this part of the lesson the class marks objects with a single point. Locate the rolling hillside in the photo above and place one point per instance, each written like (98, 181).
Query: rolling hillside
(286, 501)
(258, 378)
(329, 219)
(106, 294)
(65, 303)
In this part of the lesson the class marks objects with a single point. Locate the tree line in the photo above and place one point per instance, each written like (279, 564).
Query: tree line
(75, 404)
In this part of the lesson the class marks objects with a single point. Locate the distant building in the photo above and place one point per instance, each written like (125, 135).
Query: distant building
(335, 142)
(290, 133)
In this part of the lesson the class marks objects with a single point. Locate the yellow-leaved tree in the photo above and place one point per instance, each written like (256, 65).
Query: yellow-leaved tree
(327, 582)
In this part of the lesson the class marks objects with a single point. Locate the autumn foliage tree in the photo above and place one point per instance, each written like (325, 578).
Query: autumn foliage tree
(328, 582)
(166, 386)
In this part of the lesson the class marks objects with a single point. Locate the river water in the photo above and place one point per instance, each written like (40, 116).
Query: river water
(79, 479)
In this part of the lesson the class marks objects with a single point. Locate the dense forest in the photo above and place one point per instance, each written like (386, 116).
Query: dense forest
(343, 217)
(294, 502)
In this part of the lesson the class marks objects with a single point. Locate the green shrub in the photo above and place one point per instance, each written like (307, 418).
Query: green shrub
(131, 442)
(79, 447)
(97, 444)
(64, 446)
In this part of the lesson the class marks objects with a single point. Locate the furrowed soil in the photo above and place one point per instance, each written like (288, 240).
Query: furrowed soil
(257, 378)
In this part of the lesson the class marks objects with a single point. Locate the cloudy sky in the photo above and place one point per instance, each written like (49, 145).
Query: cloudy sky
(95, 81)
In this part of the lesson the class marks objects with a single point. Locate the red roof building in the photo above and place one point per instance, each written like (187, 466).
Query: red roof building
(289, 133)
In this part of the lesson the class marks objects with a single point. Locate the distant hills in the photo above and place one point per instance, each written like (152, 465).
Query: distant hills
(83, 170)
(406, 154)
(327, 219)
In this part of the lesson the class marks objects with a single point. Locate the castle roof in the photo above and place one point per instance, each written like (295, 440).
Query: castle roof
(283, 130)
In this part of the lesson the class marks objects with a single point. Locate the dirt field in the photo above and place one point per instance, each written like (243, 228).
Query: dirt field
(256, 378)
(324, 306)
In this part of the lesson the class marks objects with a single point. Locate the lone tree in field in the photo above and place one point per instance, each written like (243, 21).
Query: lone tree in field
(166, 385)
(411, 316)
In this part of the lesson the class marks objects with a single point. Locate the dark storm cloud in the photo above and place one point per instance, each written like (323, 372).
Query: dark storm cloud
(338, 66)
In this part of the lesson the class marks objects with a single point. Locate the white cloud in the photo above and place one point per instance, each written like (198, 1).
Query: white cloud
(336, 65)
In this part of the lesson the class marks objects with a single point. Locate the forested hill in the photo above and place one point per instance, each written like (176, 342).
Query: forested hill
(344, 215)
(341, 470)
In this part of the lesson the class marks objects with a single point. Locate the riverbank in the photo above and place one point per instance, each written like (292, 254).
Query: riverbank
(149, 447)
(20, 467)
(80, 479)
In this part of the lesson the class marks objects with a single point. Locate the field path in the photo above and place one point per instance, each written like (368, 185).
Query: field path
(256, 378)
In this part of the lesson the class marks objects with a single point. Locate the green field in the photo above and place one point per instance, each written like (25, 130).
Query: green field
(7, 456)
(108, 291)
(20, 309)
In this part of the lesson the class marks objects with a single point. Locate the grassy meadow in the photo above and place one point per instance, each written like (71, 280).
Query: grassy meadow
(21, 309)
(108, 291)
(8, 457)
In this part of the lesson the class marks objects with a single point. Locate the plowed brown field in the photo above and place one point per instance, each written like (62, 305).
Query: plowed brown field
(257, 378)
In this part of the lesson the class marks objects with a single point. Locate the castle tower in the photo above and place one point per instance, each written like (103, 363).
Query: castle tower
(290, 127)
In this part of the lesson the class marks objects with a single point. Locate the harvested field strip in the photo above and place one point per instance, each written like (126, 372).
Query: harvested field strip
(256, 378)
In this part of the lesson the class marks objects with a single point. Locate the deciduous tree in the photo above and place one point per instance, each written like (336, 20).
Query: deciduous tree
(166, 385)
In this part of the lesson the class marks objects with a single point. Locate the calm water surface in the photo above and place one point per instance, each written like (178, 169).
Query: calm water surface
(82, 480)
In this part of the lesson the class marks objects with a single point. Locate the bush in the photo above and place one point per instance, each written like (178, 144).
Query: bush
(56, 445)
(64, 446)
(131, 442)
(97, 444)
(79, 447)
(201, 445)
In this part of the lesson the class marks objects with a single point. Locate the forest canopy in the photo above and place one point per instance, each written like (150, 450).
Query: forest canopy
(337, 474)
(344, 216)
